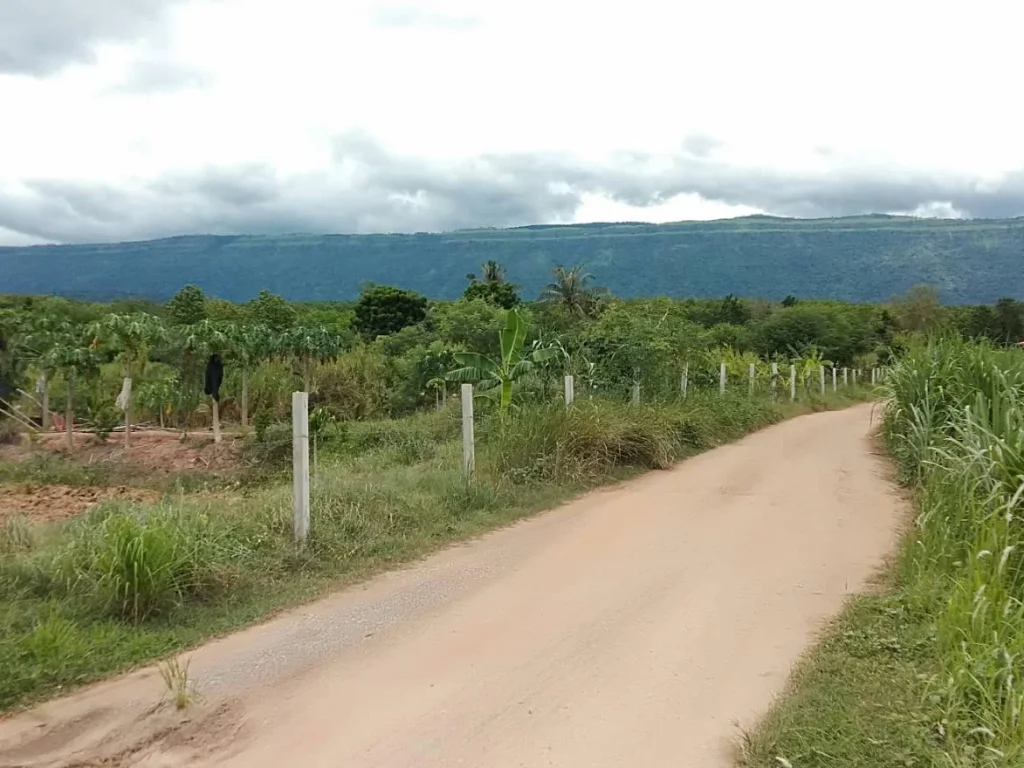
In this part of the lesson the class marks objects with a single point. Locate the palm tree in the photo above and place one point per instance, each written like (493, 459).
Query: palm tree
(571, 291)
(493, 272)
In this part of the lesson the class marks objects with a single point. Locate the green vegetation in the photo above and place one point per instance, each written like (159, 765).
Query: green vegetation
(866, 258)
(930, 672)
(125, 583)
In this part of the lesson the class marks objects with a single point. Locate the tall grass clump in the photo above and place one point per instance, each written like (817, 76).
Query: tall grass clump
(594, 438)
(955, 421)
(139, 562)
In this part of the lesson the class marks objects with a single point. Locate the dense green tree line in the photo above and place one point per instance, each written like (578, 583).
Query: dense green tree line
(391, 351)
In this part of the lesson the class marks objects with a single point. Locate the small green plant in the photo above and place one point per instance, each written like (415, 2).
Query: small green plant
(176, 678)
(261, 423)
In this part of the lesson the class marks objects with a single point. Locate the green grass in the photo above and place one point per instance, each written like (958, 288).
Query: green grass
(124, 585)
(930, 673)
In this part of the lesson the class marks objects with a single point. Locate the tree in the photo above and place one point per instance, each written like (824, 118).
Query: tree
(43, 333)
(572, 292)
(734, 311)
(792, 328)
(272, 311)
(384, 309)
(130, 337)
(199, 342)
(1009, 320)
(512, 365)
(248, 345)
(919, 309)
(308, 346)
(789, 301)
(492, 287)
(187, 307)
(71, 356)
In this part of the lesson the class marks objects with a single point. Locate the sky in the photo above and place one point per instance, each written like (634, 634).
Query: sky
(136, 119)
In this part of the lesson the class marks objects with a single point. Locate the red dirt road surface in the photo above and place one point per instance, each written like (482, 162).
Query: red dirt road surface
(637, 626)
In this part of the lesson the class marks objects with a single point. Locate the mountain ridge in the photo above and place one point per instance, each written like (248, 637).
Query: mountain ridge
(858, 258)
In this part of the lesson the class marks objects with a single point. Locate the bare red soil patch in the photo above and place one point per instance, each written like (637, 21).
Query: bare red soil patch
(153, 450)
(53, 503)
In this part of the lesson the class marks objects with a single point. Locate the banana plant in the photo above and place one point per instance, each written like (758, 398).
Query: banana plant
(511, 366)
(807, 362)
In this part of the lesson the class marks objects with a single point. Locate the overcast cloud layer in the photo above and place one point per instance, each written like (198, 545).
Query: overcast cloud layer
(165, 117)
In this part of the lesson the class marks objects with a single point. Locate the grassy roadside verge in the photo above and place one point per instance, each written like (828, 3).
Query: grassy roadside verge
(930, 671)
(126, 584)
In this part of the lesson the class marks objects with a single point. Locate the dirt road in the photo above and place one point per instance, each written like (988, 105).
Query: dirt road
(634, 627)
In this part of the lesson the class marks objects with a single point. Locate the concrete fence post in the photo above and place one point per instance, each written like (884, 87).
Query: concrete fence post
(468, 440)
(300, 466)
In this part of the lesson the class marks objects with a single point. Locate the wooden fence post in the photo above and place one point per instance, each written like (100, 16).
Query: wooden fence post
(468, 444)
(821, 379)
(721, 379)
(300, 466)
(792, 383)
(635, 395)
(685, 379)
(846, 377)
(835, 384)
(775, 378)
(570, 390)
(750, 386)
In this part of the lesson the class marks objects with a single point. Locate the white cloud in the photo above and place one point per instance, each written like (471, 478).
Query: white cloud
(908, 91)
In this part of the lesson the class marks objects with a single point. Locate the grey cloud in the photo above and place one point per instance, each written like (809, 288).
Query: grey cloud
(402, 16)
(39, 37)
(160, 75)
(367, 189)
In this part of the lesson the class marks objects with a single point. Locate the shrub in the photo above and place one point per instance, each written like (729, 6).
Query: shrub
(139, 563)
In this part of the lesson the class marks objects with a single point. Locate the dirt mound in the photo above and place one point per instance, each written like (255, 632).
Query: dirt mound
(52, 503)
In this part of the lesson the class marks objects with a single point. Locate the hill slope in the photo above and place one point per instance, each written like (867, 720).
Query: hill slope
(867, 258)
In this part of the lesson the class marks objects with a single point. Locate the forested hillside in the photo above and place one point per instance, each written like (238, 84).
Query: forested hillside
(867, 258)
